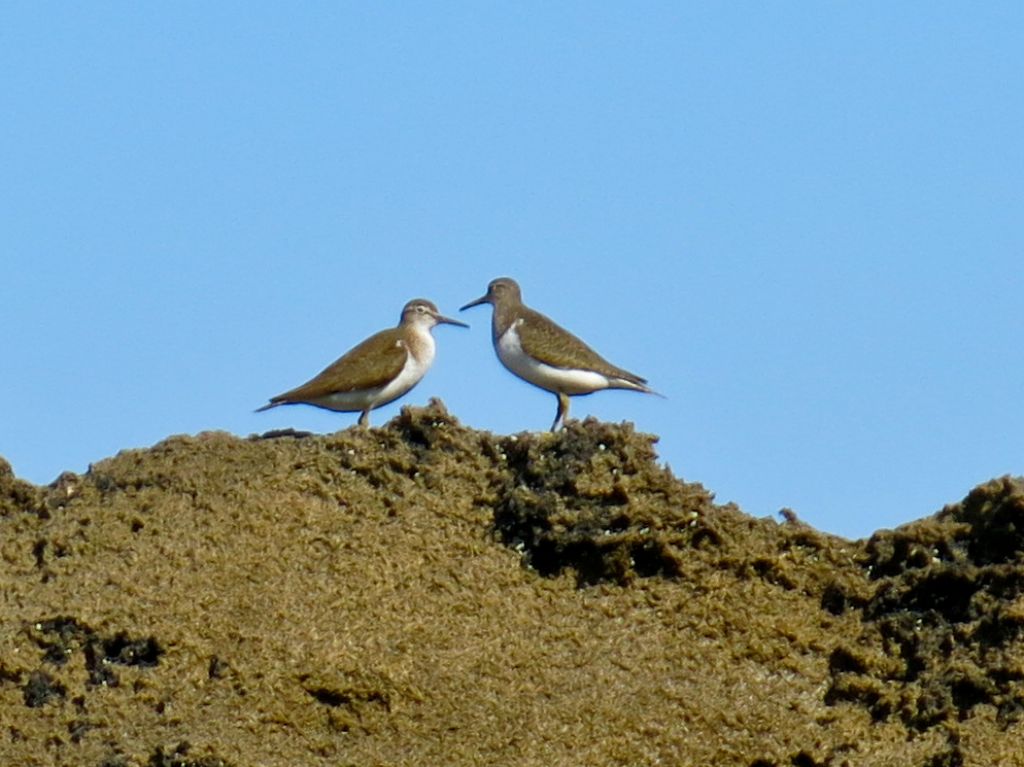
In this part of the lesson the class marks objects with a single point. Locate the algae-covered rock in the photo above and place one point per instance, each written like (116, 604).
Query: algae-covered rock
(425, 594)
(941, 631)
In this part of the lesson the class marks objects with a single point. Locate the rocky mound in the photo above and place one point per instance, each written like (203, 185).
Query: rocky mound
(425, 594)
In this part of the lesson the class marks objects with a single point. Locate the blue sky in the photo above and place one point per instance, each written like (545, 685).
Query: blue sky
(801, 221)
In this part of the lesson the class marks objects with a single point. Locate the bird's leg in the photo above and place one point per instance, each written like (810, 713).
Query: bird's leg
(563, 410)
(364, 418)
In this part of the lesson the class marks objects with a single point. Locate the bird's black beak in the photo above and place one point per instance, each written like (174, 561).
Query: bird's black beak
(482, 300)
(449, 321)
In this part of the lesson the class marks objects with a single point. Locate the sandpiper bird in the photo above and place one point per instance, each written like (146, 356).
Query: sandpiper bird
(378, 371)
(539, 351)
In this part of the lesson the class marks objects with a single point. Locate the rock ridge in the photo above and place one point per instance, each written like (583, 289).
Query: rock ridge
(424, 593)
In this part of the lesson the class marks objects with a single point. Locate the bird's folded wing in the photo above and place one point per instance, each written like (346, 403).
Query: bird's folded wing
(561, 349)
(371, 364)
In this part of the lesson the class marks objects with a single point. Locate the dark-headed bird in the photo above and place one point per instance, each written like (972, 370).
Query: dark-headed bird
(541, 352)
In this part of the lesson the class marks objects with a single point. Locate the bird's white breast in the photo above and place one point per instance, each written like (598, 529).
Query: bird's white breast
(417, 363)
(566, 380)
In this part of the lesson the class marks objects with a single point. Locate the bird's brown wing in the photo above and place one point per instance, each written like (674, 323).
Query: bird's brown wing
(372, 363)
(555, 346)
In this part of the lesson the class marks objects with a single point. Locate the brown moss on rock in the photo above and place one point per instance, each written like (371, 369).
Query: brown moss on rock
(16, 496)
(425, 594)
(941, 632)
(592, 499)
